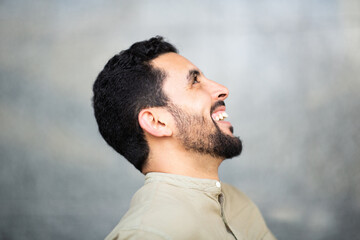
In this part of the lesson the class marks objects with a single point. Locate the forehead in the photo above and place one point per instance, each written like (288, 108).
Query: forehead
(172, 63)
(177, 70)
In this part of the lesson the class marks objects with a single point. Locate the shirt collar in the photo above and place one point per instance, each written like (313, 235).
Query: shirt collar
(206, 185)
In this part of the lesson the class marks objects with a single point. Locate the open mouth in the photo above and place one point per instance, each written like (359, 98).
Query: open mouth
(218, 111)
(219, 116)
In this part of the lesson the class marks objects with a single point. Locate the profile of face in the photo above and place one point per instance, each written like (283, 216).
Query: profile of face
(198, 109)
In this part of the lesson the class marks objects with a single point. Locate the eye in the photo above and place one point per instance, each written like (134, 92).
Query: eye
(195, 79)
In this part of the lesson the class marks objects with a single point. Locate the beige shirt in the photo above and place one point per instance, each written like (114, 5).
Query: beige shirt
(174, 207)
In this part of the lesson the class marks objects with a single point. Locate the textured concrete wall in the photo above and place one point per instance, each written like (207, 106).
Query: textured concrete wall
(292, 68)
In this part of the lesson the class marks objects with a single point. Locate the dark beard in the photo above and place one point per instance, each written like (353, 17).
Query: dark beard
(200, 135)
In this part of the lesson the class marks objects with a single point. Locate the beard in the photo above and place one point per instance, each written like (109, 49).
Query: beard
(199, 134)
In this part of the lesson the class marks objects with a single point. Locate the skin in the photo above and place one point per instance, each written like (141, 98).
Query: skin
(194, 96)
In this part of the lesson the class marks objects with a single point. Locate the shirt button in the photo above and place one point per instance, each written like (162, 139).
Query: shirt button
(218, 184)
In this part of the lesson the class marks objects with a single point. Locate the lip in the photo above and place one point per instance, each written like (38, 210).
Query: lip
(225, 126)
(224, 122)
(218, 109)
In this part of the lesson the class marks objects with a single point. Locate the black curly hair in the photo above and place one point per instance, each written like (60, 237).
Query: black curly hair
(127, 84)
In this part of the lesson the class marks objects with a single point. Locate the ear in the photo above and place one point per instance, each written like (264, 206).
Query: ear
(149, 120)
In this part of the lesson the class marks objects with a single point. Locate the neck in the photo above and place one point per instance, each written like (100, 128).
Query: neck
(182, 162)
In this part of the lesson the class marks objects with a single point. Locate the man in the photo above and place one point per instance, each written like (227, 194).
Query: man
(165, 117)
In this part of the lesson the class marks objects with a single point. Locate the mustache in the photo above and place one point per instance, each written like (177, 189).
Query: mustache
(217, 104)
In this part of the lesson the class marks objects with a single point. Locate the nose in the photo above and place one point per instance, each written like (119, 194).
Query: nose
(218, 91)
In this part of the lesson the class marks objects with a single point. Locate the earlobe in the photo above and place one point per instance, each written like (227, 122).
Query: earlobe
(150, 122)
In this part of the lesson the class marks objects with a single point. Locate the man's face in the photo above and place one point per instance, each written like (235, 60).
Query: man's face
(196, 103)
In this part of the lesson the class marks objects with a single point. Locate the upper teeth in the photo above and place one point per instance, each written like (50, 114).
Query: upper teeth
(221, 116)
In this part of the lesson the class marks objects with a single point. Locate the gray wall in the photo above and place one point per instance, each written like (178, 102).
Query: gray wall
(292, 68)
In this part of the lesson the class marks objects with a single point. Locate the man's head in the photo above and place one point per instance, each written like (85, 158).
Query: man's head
(151, 76)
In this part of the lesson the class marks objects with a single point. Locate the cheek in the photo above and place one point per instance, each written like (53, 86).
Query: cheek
(192, 100)
(199, 102)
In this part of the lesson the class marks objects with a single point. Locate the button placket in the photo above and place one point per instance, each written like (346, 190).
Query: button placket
(221, 202)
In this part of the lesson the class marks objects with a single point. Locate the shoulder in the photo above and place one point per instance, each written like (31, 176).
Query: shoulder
(156, 210)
